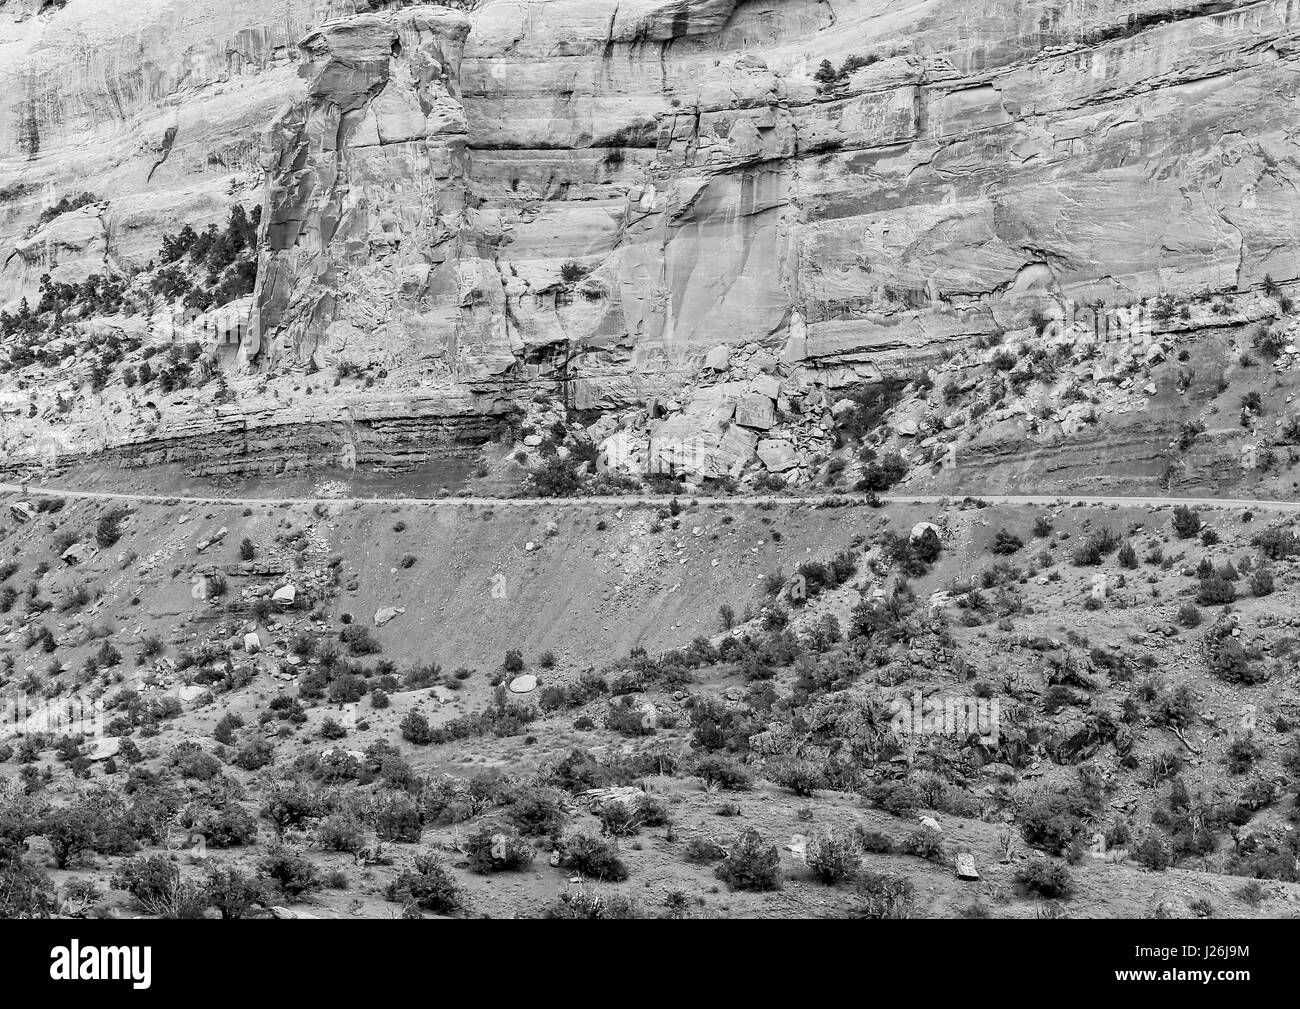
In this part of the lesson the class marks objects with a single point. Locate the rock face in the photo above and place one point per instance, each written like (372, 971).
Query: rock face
(482, 199)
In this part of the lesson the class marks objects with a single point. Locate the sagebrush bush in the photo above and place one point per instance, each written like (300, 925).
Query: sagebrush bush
(878, 896)
(926, 843)
(751, 863)
(1045, 878)
(715, 769)
(834, 857)
(293, 874)
(593, 857)
(429, 884)
(802, 777)
(497, 848)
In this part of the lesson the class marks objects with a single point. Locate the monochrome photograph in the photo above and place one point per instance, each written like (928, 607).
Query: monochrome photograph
(650, 459)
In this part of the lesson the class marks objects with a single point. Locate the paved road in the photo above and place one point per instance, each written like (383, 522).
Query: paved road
(654, 499)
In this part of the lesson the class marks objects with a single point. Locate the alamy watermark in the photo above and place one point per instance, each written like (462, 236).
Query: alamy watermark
(75, 715)
(945, 716)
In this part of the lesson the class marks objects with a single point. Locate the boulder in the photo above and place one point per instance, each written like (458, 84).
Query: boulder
(279, 911)
(387, 613)
(755, 411)
(920, 528)
(285, 595)
(719, 358)
(966, 866)
(766, 385)
(104, 747)
(777, 454)
(252, 643)
(523, 684)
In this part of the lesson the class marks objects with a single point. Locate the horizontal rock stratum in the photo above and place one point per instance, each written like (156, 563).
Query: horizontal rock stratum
(483, 199)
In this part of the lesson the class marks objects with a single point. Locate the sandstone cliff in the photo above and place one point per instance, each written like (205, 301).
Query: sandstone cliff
(593, 196)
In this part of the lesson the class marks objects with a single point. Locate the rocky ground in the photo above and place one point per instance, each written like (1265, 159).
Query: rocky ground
(377, 710)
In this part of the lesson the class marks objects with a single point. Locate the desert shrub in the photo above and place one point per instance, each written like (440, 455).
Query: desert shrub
(1189, 615)
(1152, 852)
(1187, 522)
(1005, 542)
(751, 863)
(718, 770)
(293, 874)
(555, 477)
(1230, 662)
(190, 761)
(582, 904)
(108, 529)
(704, 849)
(1277, 544)
(1045, 878)
(834, 857)
(883, 473)
(1241, 753)
(618, 819)
(228, 825)
(396, 817)
(497, 848)
(593, 857)
(254, 755)
(1097, 545)
(233, 892)
(1261, 582)
(1215, 591)
(290, 806)
(70, 832)
(802, 777)
(360, 640)
(926, 843)
(415, 729)
(1051, 820)
(878, 896)
(537, 811)
(429, 884)
(874, 841)
(341, 831)
(898, 798)
(147, 878)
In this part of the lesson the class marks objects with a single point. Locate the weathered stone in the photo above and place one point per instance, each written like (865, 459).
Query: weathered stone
(755, 410)
(719, 358)
(777, 455)
(386, 613)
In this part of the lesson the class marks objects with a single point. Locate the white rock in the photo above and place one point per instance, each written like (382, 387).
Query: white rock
(766, 385)
(252, 643)
(285, 595)
(523, 684)
(387, 613)
(719, 358)
(104, 747)
(778, 455)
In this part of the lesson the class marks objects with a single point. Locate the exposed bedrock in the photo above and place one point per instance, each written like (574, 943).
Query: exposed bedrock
(483, 198)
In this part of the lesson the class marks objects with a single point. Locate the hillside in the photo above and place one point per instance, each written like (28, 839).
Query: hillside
(1129, 731)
